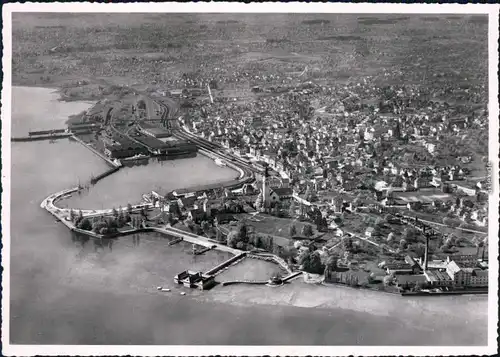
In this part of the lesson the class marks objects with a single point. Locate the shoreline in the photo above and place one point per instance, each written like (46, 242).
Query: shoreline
(240, 180)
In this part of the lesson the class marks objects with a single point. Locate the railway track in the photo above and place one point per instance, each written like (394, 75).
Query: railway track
(168, 114)
(216, 149)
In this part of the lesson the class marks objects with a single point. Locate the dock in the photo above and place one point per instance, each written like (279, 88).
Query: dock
(225, 264)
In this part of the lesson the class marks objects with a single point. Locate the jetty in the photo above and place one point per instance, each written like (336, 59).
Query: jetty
(40, 137)
(225, 264)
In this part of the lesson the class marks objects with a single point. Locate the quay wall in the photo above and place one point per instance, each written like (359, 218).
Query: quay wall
(250, 282)
(101, 155)
(214, 156)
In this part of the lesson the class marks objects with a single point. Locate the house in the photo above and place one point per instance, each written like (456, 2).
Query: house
(210, 207)
(196, 215)
(172, 207)
(176, 93)
(410, 281)
(280, 194)
(411, 262)
(187, 203)
(436, 278)
(422, 182)
(369, 232)
(460, 276)
(222, 218)
(193, 279)
(479, 278)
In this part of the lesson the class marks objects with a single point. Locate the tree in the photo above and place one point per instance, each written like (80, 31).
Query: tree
(218, 235)
(129, 208)
(347, 243)
(292, 209)
(293, 231)
(205, 226)
(258, 242)
(121, 219)
(114, 212)
(321, 224)
(331, 264)
(72, 215)
(388, 280)
(259, 202)
(409, 234)
(85, 224)
(243, 232)
(312, 264)
(232, 239)
(307, 230)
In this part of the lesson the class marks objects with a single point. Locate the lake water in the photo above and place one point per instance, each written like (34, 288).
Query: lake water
(130, 183)
(68, 291)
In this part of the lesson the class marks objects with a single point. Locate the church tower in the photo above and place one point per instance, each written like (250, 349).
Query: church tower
(265, 188)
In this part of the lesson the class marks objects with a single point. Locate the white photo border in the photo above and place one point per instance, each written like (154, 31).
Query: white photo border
(51, 350)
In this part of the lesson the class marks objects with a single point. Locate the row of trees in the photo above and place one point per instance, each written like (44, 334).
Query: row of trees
(306, 231)
(108, 225)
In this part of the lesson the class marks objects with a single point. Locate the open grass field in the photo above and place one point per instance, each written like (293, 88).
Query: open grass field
(275, 226)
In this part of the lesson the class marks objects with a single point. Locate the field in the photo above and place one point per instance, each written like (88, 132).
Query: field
(154, 50)
(266, 224)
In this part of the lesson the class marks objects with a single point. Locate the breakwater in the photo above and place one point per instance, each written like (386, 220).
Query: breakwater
(106, 173)
(225, 264)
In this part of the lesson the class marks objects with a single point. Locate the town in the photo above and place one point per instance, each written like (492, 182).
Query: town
(375, 187)
(200, 175)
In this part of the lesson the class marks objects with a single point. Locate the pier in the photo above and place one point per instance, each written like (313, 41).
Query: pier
(40, 137)
(225, 264)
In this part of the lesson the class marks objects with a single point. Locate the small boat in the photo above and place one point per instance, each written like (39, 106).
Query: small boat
(219, 162)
